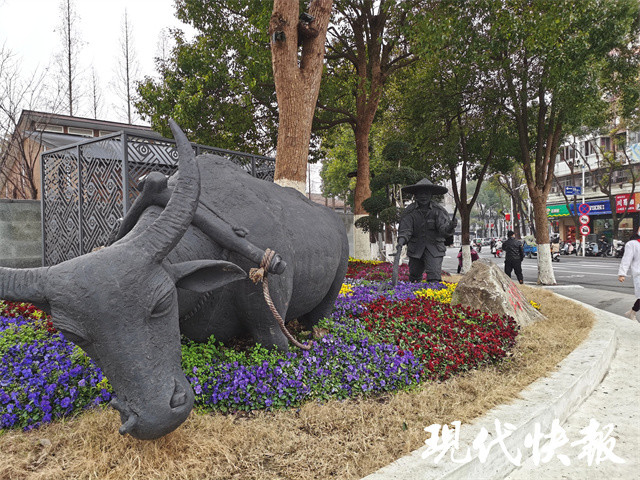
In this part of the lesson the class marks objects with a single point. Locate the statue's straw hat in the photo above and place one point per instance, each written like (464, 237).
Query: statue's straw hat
(425, 185)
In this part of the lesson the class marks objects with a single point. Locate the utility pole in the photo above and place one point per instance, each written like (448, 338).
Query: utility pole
(584, 238)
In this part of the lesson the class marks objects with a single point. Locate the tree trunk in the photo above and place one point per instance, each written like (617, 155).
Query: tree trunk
(466, 258)
(69, 57)
(297, 78)
(363, 190)
(545, 267)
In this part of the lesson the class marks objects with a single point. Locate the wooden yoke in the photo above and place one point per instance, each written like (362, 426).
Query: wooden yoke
(155, 191)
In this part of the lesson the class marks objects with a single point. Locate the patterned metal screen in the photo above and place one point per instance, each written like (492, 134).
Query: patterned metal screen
(87, 187)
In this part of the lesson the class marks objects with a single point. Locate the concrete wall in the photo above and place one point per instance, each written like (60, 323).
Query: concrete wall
(20, 233)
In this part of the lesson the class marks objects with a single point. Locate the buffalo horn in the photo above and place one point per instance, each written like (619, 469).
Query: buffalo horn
(167, 230)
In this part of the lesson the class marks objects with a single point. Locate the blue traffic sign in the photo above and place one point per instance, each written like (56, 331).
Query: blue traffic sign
(571, 190)
(584, 208)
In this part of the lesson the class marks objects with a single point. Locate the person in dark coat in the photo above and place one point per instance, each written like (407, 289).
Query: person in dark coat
(513, 256)
(424, 227)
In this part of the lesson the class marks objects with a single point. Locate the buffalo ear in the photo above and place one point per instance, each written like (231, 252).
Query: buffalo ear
(204, 275)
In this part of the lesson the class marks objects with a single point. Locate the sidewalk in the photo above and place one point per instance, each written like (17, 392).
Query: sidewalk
(600, 380)
(615, 401)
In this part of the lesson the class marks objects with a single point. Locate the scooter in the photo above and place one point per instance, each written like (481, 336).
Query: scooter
(592, 249)
(617, 248)
(568, 249)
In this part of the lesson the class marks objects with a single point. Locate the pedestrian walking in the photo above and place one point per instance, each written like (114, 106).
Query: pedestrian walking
(631, 259)
(513, 256)
(474, 257)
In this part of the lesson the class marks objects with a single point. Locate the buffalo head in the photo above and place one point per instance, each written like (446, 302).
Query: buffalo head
(120, 305)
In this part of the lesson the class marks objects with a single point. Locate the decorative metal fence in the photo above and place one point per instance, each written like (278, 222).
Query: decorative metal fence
(89, 186)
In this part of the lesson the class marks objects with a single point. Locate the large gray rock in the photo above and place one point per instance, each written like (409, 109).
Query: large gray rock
(487, 287)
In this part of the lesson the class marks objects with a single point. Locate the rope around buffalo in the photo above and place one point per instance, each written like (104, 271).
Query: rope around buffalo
(260, 274)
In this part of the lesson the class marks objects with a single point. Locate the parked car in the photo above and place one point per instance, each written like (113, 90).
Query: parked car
(530, 247)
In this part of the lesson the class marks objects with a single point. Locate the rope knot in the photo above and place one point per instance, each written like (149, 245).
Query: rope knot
(257, 274)
(260, 275)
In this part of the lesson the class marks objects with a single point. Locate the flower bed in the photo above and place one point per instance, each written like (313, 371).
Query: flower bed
(379, 339)
(445, 339)
(339, 365)
(375, 271)
(42, 376)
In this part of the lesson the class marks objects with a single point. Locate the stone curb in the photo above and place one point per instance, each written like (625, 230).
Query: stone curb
(547, 399)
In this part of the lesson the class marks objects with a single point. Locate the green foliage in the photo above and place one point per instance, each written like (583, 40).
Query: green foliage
(395, 176)
(219, 86)
(397, 151)
(390, 215)
(338, 149)
(370, 224)
(15, 334)
(376, 203)
(199, 355)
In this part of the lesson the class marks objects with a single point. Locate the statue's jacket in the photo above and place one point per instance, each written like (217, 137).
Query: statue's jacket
(425, 229)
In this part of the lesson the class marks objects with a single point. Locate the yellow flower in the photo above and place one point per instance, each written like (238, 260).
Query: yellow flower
(346, 289)
(368, 262)
(443, 295)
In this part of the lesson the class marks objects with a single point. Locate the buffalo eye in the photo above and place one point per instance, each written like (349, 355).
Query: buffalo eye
(164, 306)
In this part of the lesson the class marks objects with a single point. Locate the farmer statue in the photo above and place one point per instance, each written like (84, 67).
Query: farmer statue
(424, 226)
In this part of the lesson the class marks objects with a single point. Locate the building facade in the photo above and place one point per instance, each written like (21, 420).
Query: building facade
(606, 171)
(35, 133)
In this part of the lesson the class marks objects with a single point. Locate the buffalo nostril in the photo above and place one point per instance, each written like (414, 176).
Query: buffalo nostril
(178, 400)
(179, 396)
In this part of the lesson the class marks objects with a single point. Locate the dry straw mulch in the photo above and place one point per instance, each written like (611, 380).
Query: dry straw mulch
(341, 440)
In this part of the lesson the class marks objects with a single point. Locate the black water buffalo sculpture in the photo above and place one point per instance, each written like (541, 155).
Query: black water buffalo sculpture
(179, 266)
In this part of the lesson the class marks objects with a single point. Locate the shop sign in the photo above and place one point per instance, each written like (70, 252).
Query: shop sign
(596, 207)
(557, 210)
(599, 207)
(633, 201)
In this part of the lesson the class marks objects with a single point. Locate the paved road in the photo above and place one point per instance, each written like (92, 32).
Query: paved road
(577, 278)
(590, 272)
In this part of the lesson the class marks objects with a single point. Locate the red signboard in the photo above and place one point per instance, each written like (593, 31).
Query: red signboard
(622, 200)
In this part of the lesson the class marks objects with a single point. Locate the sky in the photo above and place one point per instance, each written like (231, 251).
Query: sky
(30, 29)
